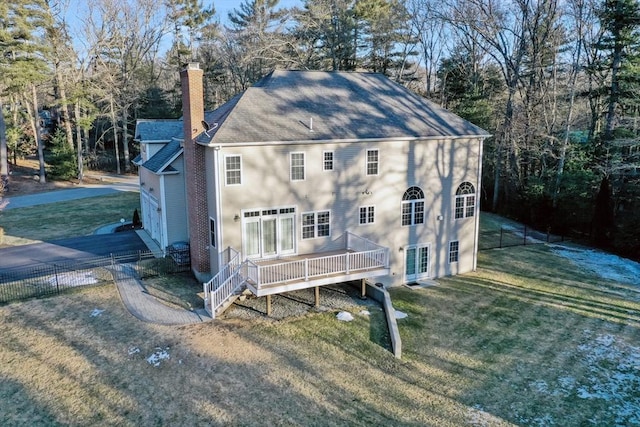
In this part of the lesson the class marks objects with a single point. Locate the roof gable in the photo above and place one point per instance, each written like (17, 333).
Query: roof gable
(312, 105)
(161, 161)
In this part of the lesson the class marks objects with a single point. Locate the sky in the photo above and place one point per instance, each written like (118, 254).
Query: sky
(77, 10)
(223, 7)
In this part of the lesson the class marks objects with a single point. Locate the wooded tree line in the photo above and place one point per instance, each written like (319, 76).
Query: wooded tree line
(556, 82)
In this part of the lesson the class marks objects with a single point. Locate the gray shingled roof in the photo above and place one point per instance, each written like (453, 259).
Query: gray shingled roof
(159, 162)
(342, 106)
(158, 130)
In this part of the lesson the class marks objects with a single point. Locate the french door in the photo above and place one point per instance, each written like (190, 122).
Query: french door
(268, 232)
(416, 262)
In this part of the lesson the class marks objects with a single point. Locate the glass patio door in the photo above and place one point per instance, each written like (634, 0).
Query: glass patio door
(416, 262)
(269, 232)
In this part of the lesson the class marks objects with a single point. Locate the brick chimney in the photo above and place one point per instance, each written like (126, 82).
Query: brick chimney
(195, 170)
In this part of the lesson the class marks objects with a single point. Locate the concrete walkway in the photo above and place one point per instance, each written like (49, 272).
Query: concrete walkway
(146, 307)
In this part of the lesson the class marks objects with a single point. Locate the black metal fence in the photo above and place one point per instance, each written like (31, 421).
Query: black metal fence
(57, 277)
(514, 236)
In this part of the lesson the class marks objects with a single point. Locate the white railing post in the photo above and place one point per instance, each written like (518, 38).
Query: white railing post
(306, 269)
(346, 262)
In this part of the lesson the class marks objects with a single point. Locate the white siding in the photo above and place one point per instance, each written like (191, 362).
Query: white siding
(175, 204)
(437, 167)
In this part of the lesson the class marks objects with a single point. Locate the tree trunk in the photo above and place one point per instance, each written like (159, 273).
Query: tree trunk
(79, 141)
(125, 141)
(4, 160)
(572, 96)
(64, 110)
(114, 123)
(38, 135)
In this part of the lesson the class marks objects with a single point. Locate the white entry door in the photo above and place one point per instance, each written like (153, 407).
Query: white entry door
(416, 263)
(268, 233)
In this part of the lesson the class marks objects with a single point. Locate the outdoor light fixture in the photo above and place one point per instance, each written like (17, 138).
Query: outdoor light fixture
(236, 218)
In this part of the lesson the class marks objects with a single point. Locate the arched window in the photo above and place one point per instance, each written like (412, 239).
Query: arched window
(413, 206)
(465, 201)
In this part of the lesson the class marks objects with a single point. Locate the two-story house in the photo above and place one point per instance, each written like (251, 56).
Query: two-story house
(309, 178)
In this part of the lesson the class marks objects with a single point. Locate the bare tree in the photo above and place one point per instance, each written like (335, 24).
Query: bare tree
(124, 37)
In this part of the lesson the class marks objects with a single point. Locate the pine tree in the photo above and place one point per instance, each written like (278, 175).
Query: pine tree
(22, 63)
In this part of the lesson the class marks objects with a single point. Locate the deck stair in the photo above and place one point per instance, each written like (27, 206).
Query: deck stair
(354, 258)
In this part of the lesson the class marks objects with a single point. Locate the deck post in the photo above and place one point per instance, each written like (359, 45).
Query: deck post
(269, 305)
(317, 296)
(363, 289)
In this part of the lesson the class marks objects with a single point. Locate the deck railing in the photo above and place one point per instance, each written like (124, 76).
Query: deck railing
(359, 255)
(309, 268)
(222, 293)
(231, 259)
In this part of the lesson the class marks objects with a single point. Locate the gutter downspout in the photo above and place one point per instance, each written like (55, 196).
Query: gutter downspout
(477, 225)
(218, 201)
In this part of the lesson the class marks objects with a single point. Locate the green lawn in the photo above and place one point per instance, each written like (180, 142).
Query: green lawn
(65, 219)
(528, 339)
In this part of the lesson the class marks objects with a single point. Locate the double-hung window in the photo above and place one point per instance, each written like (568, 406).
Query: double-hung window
(465, 201)
(413, 206)
(297, 166)
(233, 169)
(367, 215)
(327, 164)
(454, 251)
(316, 224)
(372, 162)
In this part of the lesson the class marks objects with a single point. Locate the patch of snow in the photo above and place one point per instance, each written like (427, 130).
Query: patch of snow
(73, 279)
(615, 376)
(96, 312)
(344, 316)
(133, 350)
(158, 356)
(607, 266)
(365, 312)
(400, 314)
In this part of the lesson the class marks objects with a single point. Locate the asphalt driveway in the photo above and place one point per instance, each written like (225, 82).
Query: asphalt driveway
(75, 248)
(70, 249)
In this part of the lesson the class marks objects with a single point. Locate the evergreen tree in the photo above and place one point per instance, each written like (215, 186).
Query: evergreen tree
(22, 63)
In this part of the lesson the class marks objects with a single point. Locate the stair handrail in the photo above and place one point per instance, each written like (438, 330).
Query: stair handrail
(225, 272)
(226, 289)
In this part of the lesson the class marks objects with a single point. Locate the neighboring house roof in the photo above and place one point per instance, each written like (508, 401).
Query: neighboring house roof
(163, 130)
(293, 106)
(160, 162)
(158, 130)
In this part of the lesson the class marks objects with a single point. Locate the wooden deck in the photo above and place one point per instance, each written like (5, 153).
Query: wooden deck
(270, 277)
(358, 260)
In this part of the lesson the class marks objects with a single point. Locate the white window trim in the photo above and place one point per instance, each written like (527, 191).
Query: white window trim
(457, 252)
(367, 222)
(366, 162)
(465, 203)
(315, 224)
(412, 203)
(333, 161)
(419, 276)
(304, 166)
(226, 177)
